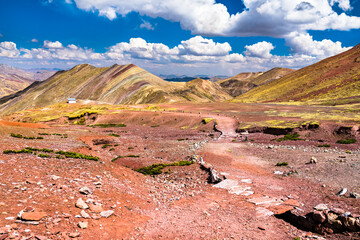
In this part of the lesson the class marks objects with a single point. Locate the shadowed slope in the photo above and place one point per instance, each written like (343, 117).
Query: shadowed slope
(335, 79)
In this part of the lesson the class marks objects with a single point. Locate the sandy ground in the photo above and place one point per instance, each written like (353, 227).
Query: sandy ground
(180, 204)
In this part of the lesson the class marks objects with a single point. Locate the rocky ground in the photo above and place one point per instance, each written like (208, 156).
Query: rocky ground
(53, 197)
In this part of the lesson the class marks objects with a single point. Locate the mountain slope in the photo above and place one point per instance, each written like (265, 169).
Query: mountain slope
(14, 79)
(125, 84)
(244, 82)
(331, 79)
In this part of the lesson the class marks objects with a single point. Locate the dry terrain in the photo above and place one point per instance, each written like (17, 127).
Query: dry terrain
(41, 186)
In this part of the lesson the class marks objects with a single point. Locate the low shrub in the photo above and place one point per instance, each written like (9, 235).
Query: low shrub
(133, 156)
(156, 169)
(290, 137)
(114, 135)
(107, 125)
(155, 126)
(77, 155)
(43, 155)
(346, 141)
(280, 164)
(324, 145)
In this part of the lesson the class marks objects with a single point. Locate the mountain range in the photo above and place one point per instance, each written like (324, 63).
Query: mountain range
(334, 80)
(15, 79)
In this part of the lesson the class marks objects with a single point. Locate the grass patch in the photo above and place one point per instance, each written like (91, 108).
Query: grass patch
(290, 137)
(106, 145)
(182, 139)
(156, 169)
(107, 125)
(206, 120)
(24, 137)
(324, 145)
(155, 126)
(77, 155)
(346, 141)
(280, 164)
(133, 156)
(114, 135)
(43, 155)
(130, 148)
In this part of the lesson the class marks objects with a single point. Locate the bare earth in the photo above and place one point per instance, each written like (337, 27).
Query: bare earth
(179, 204)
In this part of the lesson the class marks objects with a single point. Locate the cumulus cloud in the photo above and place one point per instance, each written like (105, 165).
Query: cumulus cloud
(275, 18)
(9, 50)
(343, 4)
(196, 52)
(34, 40)
(303, 43)
(260, 50)
(200, 46)
(49, 44)
(147, 25)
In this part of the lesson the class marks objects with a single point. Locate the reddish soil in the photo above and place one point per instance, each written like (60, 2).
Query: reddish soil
(179, 203)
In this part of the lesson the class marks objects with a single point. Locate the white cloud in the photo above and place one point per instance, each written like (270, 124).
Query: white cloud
(68, 1)
(49, 44)
(194, 53)
(200, 46)
(1, 35)
(34, 40)
(275, 18)
(260, 50)
(147, 25)
(303, 43)
(343, 4)
(9, 50)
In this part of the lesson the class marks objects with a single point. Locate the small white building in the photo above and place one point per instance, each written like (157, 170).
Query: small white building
(71, 100)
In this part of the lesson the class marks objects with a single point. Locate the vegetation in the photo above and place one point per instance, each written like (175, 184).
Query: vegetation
(324, 145)
(156, 169)
(206, 120)
(133, 156)
(290, 137)
(43, 155)
(114, 135)
(77, 155)
(280, 164)
(106, 145)
(45, 150)
(24, 137)
(154, 126)
(108, 125)
(346, 141)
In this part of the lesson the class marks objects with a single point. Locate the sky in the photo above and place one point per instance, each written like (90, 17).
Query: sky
(183, 37)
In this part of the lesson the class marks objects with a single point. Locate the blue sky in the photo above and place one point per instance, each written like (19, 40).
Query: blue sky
(176, 36)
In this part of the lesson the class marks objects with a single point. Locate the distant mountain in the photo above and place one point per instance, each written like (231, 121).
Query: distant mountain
(333, 80)
(244, 82)
(184, 78)
(14, 79)
(118, 84)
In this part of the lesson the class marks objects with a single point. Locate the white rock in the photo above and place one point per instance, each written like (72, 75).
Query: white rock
(81, 204)
(107, 213)
(82, 225)
(85, 191)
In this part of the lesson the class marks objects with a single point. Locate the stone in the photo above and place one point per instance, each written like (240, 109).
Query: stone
(81, 204)
(29, 209)
(319, 216)
(350, 223)
(341, 192)
(354, 195)
(313, 160)
(85, 191)
(74, 234)
(54, 177)
(82, 225)
(321, 207)
(33, 216)
(84, 214)
(96, 208)
(107, 213)
(214, 177)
